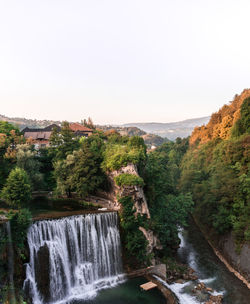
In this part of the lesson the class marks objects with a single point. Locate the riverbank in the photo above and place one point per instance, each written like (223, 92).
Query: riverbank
(196, 252)
(214, 243)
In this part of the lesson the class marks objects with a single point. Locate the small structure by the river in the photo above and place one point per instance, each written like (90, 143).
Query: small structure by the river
(148, 286)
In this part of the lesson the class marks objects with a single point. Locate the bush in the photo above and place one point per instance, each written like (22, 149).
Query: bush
(126, 179)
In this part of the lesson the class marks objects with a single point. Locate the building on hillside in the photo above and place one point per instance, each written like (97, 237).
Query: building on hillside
(40, 137)
(80, 130)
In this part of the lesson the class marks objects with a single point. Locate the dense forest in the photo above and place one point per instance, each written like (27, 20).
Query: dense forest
(216, 170)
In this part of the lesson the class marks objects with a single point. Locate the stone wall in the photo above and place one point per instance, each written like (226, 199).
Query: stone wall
(240, 262)
(224, 247)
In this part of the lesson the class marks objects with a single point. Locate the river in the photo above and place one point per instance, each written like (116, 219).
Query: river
(197, 253)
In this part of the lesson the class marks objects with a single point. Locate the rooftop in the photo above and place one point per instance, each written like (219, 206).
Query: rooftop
(78, 127)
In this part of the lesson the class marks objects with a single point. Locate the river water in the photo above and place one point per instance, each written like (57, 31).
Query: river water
(128, 292)
(197, 253)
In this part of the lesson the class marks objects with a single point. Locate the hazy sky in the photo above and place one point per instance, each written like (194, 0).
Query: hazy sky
(122, 61)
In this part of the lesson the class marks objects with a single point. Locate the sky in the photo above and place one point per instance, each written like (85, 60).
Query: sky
(122, 61)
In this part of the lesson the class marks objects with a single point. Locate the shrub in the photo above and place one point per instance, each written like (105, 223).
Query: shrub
(126, 179)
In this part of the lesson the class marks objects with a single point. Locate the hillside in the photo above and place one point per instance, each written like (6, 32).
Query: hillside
(150, 139)
(171, 130)
(31, 123)
(221, 122)
(215, 170)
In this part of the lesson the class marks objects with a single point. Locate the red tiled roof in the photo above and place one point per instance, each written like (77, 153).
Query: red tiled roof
(77, 127)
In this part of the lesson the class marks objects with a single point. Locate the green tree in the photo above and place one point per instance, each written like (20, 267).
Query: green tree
(88, 123)
(63, 143)
(63, 175)
(17, 189)
(28, 159)
(6, 128)
(168, 214)
(169, 208)
(242, 125)
(10, 137)
(81, 171)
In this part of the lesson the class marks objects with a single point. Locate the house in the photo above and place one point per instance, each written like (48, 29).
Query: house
(40, 137)
(80, 130)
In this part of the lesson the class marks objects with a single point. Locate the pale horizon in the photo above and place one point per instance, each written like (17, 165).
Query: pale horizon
(121, 62)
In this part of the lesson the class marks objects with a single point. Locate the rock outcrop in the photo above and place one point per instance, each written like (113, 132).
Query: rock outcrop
(136, 192)
(153, 241)
(139, 199)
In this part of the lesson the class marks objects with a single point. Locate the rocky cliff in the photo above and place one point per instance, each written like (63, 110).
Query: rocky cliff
(139, 199)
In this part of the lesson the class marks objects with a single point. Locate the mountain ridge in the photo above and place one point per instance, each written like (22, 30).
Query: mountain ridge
(171, 130)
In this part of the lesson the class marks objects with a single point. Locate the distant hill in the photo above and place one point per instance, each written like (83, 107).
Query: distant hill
(149, 139)
(31, 123)
(171, 130)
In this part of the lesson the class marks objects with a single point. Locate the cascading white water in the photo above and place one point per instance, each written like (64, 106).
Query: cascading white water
(73, 257)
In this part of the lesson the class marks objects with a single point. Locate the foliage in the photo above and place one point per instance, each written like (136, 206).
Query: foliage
(46, 169)
(242, 125)
(10, 137)
(118, 154)
(20, 222)
(168, 208)
(126, 179)
(168, 214)
(6, 128)
(81, 171)
(88, 123)
(63, 143)
(221, 122)
(134, 241)
(17, 189)
(217, 174)
(28, 159)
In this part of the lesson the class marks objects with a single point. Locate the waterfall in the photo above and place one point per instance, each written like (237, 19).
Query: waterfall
(73, 257)
(10, 264)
